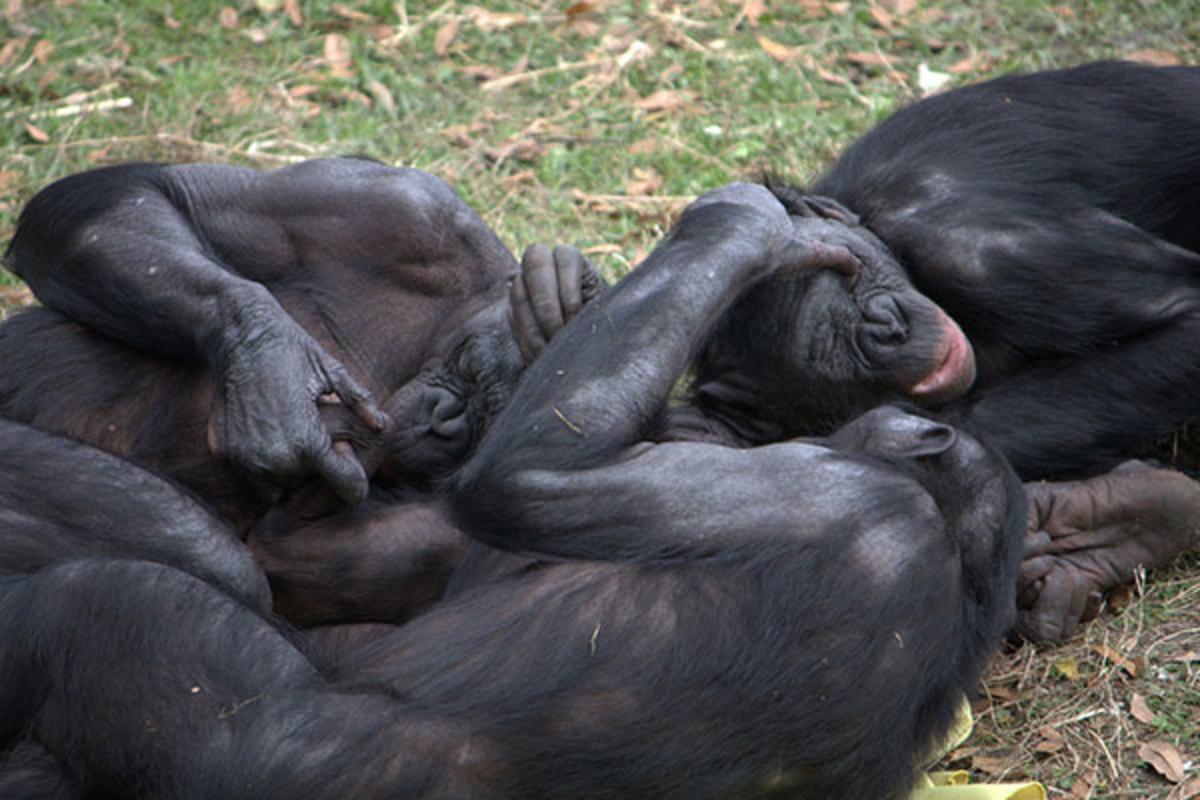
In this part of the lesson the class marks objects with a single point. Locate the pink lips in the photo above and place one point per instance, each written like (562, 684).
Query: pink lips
(956, 367)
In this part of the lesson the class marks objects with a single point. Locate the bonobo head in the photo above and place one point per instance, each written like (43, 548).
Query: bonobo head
(802, 353)
(442, 412)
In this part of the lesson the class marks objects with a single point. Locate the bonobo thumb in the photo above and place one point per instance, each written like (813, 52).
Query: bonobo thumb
(344, 474)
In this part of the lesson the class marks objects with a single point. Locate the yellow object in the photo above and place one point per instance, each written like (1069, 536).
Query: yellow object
(955, 785)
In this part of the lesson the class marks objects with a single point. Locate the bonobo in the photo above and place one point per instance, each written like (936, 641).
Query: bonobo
(200, 309)
(798, 619)
(1030, 254)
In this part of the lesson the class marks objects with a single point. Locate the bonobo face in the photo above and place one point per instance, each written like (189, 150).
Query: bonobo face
(808, 351)
(442, 412)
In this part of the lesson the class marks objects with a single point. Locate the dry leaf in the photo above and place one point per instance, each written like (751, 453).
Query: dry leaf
(292, 9)
(899, 7)
(228, 17)
(972, 63)
(354, 15)
(643, 146)
(1083, 786)
(268, 6)
(256, 35)
(1190, 789)
(445, 35)
(777, 51)
(1121, 661)
(1052, 741)
(522, 148)
(16, 295)
(883, 17)
(337, 55)
(751, 11)
(488, 21)
(666, 100)
(1066, 12)
(1158, 58)
(36, 133)
(1140, 711)
(838, 9)
(643, 182)
(42, 51)
(582, 7)
(239, 99)
(1164, 758)
(832, 77)
(170, 21)
(303, 90)
(991, 765)
(381, 94)
(863, 59)
(483, 72)
(12, 50)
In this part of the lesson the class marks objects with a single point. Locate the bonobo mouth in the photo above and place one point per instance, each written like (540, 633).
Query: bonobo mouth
(955, 370)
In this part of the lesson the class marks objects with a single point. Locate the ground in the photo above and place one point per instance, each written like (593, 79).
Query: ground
(595, 122)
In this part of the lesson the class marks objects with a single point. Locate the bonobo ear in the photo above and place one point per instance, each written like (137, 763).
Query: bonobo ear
(888, 429)
(800, 203)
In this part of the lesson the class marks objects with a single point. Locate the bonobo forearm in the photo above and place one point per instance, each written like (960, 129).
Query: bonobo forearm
(125, 261)
(603, 381)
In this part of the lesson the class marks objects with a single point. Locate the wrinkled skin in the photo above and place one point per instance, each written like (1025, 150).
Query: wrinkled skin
(673, 641)
(1085, 537)
(283, 343)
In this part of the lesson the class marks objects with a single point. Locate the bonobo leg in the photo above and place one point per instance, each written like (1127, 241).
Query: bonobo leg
(1085, 537)
(62, 500)
(143, 681)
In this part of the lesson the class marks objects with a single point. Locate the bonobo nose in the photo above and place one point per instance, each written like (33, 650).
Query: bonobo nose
(884, 322)
(890, 430)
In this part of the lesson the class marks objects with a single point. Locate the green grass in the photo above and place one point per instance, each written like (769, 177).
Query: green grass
(262, 93)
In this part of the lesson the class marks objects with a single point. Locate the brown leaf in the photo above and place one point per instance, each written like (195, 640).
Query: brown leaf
(1066, 12)
(268, 6)
(1051, 742)
(381, 94)
(19, 296)
(883, 17)
(302, 90)
(582, 7)
(1159, 58)
(864, 59)
(354, 15)
(1121, 661)
(36, 133)
(1164, 758)
(463, 135)
(777, 51)
(1140, 711)
(239, 99)
(228, 17)
(751, 11)
(1190, 789)
(643, 146)
(838, 9)
(170, 21)
(445, 35)
(522, 148)
(489, 21)
(292, 9)
(12, 50)
(666, 100)
(643, 182)
(832, 77)
(42, 51)
(899, 7)
(338, 55)
(1083, 786)
(991, 765)
(976, 62)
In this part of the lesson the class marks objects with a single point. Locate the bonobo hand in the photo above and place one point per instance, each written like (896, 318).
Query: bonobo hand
(750, 218)
(1086, 537)
(266, 420)
(552, 287)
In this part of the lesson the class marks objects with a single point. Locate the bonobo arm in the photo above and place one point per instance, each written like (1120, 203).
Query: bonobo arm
(569, 455)
(128, 251)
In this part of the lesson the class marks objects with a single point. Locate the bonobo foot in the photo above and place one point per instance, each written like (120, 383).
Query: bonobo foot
(1085, 537)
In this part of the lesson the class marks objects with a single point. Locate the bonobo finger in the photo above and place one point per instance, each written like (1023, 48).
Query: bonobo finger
(571, 267)
(1033, 570)
(540, 275)
(342, 471)
(1037, 543)
(520, 320)
(360, 400)
(1059, 608)
(815, 254)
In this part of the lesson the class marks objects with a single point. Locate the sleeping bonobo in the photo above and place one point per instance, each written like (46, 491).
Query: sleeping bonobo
(1031, 258)
(798, 619)
(200, 310)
